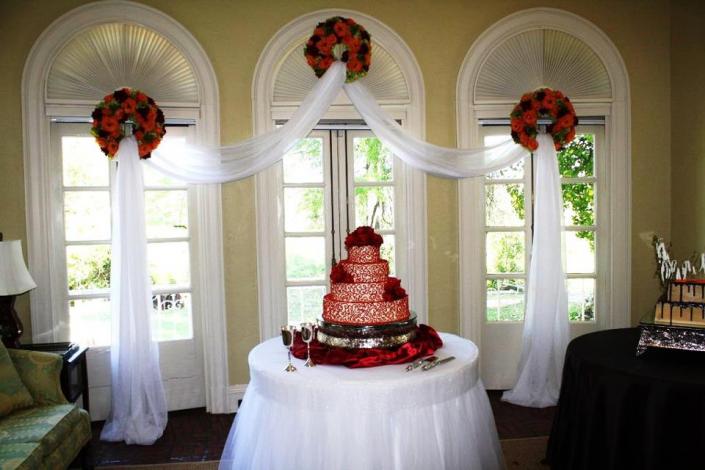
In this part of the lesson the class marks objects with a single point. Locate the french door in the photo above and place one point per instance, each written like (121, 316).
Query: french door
(82, 236)
(507, 234)
(333, 181)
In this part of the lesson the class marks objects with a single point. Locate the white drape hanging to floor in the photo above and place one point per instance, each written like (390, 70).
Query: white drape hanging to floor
(138, 398)
(138, 414)
(545, 336)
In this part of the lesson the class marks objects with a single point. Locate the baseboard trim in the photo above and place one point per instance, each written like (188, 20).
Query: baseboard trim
(235, 394)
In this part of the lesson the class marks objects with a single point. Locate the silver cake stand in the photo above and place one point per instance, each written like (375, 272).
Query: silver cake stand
(388, 335)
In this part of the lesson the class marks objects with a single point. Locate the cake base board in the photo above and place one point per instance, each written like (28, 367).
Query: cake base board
(366, 336)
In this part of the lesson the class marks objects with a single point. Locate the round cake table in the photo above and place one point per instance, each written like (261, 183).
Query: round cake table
(331, 417)
(620, 411)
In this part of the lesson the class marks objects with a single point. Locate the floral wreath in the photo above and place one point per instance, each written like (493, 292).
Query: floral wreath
(128, 106)
(339, 38)
(547, 104)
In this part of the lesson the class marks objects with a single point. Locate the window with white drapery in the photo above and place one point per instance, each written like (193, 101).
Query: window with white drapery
(332, 182)
(529, 49)
(82, 215)
(508, 224)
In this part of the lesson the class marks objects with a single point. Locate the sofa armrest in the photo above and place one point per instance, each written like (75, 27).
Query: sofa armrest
(41, 374)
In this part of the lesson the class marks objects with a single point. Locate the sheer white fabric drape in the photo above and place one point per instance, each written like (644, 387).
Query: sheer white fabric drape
(139, 409)
(138, 414)
(546, 327)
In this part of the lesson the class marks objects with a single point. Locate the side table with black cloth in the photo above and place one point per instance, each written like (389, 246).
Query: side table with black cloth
(74, 374)
(619, 411)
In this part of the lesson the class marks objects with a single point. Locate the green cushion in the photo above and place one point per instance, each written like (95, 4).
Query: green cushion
(13, 393)
(41, 374)
(21, 456)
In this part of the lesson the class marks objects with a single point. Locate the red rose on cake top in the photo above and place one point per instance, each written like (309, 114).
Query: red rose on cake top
(363, 236)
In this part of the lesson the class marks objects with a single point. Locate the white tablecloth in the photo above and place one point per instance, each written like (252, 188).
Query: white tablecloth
(332, 417)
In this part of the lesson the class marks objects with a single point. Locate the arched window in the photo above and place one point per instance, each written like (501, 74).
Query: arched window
(338, 178)
(522, 52)
(78, 59)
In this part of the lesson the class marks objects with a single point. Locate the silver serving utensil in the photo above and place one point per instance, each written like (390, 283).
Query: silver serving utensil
(437, 362)
(420, 362)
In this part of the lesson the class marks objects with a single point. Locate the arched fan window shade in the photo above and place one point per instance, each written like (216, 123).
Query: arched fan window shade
(542, 57)
(294, 78)
(113, 55)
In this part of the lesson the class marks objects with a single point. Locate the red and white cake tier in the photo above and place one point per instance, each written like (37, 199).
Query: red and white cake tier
(362, 293)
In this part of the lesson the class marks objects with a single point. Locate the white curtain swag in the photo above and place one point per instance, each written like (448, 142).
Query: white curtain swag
(139, 407)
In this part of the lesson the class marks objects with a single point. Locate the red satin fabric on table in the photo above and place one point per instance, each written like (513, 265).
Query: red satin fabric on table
(424, 344)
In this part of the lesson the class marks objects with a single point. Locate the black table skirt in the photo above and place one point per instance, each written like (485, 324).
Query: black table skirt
(617, 411)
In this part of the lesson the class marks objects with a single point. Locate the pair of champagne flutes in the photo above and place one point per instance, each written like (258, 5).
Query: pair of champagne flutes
(307, 334)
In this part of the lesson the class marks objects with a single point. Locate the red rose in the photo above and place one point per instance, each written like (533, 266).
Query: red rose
(141, 96)
(320, 32)
(533, 144)
(331, 39)
(338, 274)
(393, 289)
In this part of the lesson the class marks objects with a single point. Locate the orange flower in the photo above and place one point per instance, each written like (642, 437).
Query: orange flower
(549, 102)
(129, 106)
(341, 29)
(311, 60)
(517, 125)
(112, 148)
(570, 136)
(533, 144)
(566, 121)
(110, 124)
(144, 149)
(530, 117)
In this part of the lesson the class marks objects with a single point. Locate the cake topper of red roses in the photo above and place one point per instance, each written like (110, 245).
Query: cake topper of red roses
(363, 236)
(543, 103)
(393, 289)
(339, 38)
(127, 105)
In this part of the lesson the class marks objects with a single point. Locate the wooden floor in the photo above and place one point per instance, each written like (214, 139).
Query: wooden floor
(194, 435)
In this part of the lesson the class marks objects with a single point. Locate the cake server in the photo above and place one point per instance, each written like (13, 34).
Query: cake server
(437, 362)
(420, 362)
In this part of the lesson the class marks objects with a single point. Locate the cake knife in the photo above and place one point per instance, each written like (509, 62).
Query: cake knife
(418, 363)
(437, 362)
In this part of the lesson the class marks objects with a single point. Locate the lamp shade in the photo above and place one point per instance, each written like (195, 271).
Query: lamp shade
(14, 277)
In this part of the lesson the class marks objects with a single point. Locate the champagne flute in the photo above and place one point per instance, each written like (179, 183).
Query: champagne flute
(307, 336)
(288, 340)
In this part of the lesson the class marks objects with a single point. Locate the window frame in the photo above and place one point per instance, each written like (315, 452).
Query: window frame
(266, 112)
(616, 201)
(36, 116)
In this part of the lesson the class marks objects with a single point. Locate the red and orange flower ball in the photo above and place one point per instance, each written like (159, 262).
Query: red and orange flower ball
(339, 34)
(543, 103)
(134, 107)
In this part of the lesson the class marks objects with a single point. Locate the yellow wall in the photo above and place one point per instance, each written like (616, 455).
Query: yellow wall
(688, 121)
(439, 33)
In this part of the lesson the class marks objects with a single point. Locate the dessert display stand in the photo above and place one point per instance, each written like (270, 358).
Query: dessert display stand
(332, 417)
(659, 335)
